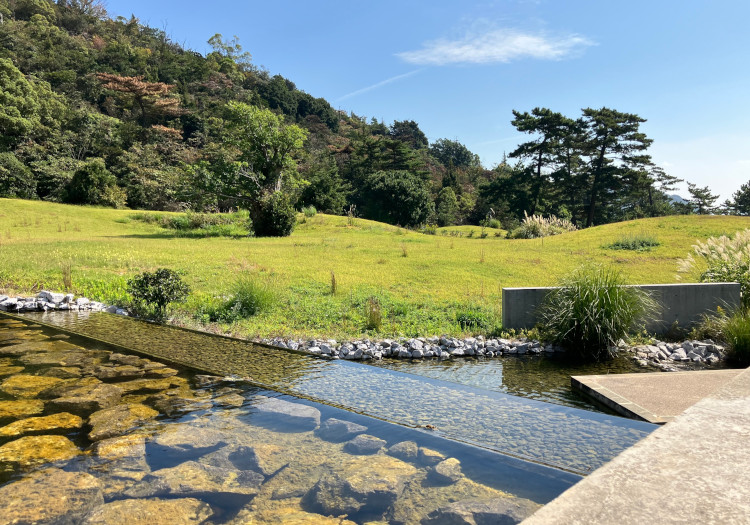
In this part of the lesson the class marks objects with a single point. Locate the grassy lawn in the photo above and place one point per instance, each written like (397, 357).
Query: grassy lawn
(421, 281)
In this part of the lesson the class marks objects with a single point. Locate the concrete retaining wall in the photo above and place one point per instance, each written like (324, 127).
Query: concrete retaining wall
(681, 303)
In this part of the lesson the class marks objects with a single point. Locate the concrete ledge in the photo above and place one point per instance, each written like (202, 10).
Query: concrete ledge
(656, 398)
(695, 469)
(680, 303)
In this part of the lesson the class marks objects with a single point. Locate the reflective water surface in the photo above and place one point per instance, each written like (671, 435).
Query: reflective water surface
(89, 434)
(564, 437)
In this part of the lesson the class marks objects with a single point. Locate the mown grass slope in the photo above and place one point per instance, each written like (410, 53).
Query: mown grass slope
(422, 282)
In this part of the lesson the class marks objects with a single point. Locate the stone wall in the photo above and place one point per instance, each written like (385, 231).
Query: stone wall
(681, 303)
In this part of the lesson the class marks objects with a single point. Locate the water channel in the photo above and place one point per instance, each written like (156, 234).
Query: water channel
(563, 437)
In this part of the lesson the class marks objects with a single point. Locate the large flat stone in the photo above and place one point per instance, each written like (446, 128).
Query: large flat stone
(281, 414)
(54, 423)
(27, 386)
(118, 420)
(31, 451)
(87, 399)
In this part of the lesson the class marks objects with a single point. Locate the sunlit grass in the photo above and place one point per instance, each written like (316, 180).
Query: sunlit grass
(419, 294)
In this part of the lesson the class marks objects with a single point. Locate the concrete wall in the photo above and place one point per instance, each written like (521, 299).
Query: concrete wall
(683, 303)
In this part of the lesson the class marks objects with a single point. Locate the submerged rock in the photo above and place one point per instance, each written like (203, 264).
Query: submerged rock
(368, 485)
(364, 444)
(61, 422)
(121, 447)
(189, 440)
(498, 511)
(405, 450)
(50, 496)
(86, 399)
(31, 451)
(429, 457)
(287, 516)
(264, 458)
(7, 370)
(232, 487)
(446, 472)
(285, 415)
(338, 430)
(183, 511)
(118, 420)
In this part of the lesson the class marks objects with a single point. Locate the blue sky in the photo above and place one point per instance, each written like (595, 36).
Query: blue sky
(459, 68)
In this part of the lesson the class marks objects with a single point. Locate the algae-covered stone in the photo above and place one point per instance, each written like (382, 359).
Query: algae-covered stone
(183, 511)
(229, 400)
(63, 372)
(151, 385)
(61, 422)
(50, 496)
(68, 386)
(367, 484)
(118, 372)
(500, 511)
(84, 400)
(119, 419)
(31, 451)
(27, 386)
(19, 409)
(191, 478)
(121, 447)
(60, 358)
(8, 370)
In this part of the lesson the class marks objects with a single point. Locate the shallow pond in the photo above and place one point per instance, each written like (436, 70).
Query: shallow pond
(89, 434)
(563, 437)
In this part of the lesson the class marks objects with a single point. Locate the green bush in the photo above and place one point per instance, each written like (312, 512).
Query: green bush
(94, 184)
(191, 224)
(592, 310)
(733, 330)
(153, 292)
(638, 243)
(472, 319)
(309, 211)
(274, 216)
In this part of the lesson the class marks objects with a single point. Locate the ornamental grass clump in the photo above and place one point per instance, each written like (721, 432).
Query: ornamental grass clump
(592, 310)
(731, 329)
(536, 226)
(721, 259)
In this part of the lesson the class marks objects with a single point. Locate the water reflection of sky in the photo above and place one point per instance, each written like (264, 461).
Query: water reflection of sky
(570, 438)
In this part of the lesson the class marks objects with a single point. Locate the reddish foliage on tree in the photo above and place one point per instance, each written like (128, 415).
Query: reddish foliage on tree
(150, 96)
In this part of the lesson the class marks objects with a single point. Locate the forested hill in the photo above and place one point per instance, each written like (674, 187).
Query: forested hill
(112, 112)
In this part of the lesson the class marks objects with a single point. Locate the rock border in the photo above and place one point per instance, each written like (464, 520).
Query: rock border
(666, 356)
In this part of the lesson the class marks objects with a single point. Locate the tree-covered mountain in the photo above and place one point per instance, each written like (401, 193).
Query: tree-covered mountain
(112, 112)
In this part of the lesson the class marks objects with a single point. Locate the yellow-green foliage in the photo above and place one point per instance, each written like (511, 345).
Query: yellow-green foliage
(419, 294)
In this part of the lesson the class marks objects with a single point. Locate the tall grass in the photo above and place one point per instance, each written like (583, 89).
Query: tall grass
(536, 226)
(592, 310)
(250, 296)
(732, 329)
(638, 243)
(373, 314)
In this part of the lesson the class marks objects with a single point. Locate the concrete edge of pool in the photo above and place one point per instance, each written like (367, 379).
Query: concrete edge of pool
(695, 469)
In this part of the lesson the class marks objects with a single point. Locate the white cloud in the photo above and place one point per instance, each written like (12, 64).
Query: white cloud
(379, 84)
(498, 45)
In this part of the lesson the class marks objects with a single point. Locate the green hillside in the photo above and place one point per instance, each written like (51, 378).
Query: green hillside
(421, 281)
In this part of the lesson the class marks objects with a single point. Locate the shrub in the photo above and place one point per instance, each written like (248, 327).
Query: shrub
(153, 292)
(592, 310)
(191, 224)
(638, 243)
(472, 319)
(722, 259)
(309, 211)
(733, 330)
(429, 229)
(274, 216)
(94, 184)
(249, 297)
(536, 226)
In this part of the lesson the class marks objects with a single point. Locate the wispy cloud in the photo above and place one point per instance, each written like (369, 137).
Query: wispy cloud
(497, 45)
(379, 84)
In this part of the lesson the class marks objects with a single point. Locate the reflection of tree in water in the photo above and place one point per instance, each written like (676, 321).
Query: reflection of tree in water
(548, 378)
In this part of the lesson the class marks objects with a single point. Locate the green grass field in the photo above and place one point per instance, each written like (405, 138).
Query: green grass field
(422, 282)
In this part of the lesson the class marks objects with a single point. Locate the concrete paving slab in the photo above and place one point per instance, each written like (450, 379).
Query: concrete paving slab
(656, 398)
(695, 469)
